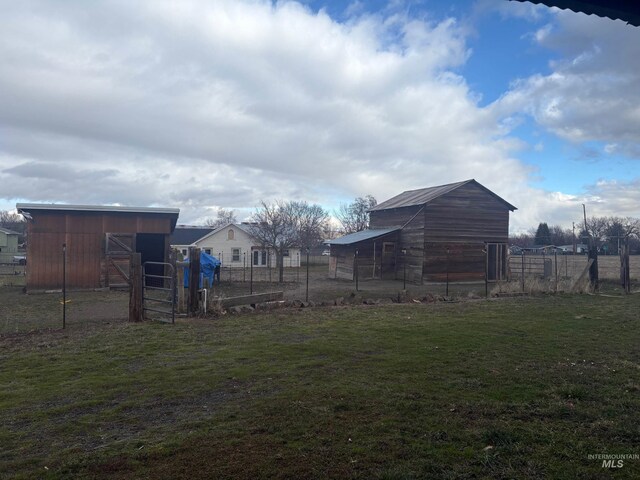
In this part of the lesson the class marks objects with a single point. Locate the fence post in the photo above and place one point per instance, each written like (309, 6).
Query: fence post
(355, 267)
(251, 274)
(180, 286)
(522, 273)
(194, 280)
(447, 288)
(135, 289)
(486, 270)
(307, 295)
(64, 285)
(555, 263)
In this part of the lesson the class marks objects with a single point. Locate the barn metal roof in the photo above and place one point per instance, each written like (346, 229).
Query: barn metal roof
(94, 208)
(425, 195)
(361, 236)
(625, 10)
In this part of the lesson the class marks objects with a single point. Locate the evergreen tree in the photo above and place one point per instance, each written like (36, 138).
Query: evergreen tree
(543, 235)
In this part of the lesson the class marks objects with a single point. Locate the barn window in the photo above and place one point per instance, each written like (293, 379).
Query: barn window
(231, 234)
(235, 254)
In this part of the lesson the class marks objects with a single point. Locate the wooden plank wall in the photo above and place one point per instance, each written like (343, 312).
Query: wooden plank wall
(84, 234)
(411, 239)
(464, 262)
(468, 214)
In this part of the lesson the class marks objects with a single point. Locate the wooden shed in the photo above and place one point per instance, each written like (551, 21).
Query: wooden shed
(99, 242)
(457, 231)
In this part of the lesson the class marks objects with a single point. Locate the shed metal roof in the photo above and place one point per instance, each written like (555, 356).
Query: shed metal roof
(361, 236)
(94, 208)
(423, 196)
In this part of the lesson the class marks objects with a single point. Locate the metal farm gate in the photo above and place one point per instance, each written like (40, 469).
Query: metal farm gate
(159, 292)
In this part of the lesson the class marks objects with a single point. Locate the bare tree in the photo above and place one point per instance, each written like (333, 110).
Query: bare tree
(13, 221)
(354, 216)
(596, 228)
(223, 217)
(560, 236)
(283, 225)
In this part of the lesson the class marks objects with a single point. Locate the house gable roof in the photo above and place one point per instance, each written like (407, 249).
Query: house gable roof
(8, 232)
(424, 196)
(188, 235)
(211, 233)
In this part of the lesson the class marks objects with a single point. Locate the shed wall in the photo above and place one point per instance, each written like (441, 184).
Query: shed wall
(84, 235)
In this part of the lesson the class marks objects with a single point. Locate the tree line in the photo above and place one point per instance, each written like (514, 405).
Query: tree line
(608, 232)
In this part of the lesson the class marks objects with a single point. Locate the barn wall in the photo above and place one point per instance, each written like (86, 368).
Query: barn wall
(395, 217)
(461, 222)
(457, 261)
(468, 214)
(84, 234)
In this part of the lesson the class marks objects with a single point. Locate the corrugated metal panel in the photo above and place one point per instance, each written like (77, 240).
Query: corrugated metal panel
(626, 10)
(361, 236)
(94, 208)
(423, 196)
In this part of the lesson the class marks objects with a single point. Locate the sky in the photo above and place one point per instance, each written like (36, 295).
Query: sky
(207, 104)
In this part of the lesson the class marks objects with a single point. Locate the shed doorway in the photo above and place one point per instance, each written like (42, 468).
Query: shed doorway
(496, 262)
(388, 260)
(150, 246)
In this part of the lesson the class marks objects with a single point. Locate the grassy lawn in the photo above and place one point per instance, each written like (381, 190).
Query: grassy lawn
(511, 388)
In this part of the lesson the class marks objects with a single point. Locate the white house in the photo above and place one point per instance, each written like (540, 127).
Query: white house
(233, 245)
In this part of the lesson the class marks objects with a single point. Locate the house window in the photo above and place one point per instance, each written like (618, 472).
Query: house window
(231, 234)
(285, 253)
(235, 254)
(207, 251)
(259, 257)
(184, 252)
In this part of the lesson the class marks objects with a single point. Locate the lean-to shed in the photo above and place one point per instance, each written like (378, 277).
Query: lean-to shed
(99, 242)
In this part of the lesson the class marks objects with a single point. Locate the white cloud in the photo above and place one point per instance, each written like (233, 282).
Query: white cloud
(593, 91)
(200, 104)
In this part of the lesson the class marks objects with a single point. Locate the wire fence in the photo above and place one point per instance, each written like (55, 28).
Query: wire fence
(21, 312)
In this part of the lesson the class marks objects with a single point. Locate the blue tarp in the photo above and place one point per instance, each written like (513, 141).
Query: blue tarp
(208, 264)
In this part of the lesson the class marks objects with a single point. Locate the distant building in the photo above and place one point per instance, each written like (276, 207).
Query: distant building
(232, 244)
(8, 245)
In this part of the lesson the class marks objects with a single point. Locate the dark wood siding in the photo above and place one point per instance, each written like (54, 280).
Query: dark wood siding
(467, 214)
(84, 234)
(395, 217)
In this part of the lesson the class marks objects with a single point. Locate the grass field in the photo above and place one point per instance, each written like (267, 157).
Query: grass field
(510, 388)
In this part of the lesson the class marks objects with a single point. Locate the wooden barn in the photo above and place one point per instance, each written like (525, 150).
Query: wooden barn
(457, 232)
(99, 242)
